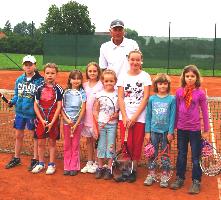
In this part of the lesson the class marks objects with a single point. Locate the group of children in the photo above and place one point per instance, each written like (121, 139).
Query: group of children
(153, 118)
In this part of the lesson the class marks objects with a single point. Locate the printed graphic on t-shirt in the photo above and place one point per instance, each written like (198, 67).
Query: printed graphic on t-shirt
(26, 89)
(134, 93)
(160, 112)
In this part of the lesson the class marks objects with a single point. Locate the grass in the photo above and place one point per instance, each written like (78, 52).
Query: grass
(7, 64)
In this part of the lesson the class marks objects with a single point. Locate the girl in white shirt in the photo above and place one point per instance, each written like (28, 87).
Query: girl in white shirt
(133, 94)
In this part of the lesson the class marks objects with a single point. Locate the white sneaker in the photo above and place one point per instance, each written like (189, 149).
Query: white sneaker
(164, 180)
(38, 168)
(149, 180)
(86, 167)
(92, 168)
(51, 169)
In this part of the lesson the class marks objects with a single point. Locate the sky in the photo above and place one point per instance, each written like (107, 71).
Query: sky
(187, 18)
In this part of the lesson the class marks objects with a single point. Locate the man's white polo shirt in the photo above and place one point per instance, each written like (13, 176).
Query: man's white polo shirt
(115, 57)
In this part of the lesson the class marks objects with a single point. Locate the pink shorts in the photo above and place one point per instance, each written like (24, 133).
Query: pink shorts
(87, 131)
(135, 139)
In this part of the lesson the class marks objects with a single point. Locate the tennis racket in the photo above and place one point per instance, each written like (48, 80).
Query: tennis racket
(46, 103)
(122, 160)
(160, 167)
(72, 105)
(6, 100)
(104, 108)
(3, 98)
(210, 160)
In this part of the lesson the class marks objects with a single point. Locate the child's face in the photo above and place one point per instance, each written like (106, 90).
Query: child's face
(109, 82)
(135, 61)
(29, 68)
(162, 87)
(50, 75)
(75, 83)
(190, 78)
(92, 72)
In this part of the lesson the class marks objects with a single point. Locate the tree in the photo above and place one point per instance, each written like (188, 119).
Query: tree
(132, 34)
(24, 29)
(151, 43)
(7, 28)
(71, 18)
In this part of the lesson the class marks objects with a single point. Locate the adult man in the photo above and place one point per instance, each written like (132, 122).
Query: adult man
(113, 54)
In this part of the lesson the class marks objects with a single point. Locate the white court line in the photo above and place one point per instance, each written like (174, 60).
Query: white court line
(213, 144)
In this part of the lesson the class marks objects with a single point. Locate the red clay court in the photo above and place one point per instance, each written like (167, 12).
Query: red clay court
(19, 184)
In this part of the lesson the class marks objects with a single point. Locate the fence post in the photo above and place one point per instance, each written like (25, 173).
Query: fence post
(214, 52)
(168, 58)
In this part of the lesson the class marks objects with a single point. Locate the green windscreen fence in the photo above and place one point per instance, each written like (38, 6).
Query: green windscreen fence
(72, 50)
(159, 52)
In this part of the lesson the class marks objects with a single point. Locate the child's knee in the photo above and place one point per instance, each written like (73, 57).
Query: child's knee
(52, 143)
(19, 136)
(89, 140)
(111, 147)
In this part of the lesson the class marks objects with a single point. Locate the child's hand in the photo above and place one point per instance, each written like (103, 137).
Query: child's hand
(70, 122)
(44, 123)
(205, 132)
(49, 126)
(73, 128)
(10, 104)
(96, 134)
(95, 129)
(114, 116)
(170, 137)
(147, 137)
(125, 121)
(132, 121)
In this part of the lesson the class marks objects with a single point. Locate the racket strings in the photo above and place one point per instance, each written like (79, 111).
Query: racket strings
(210, 160)
(207, 149)
(72, 103)
(106, 109)
(211, 165)
(159, 167)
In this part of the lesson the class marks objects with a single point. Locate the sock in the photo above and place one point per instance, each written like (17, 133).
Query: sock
(51, 164)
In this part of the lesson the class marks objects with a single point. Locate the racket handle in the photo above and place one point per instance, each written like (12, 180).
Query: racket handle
(4, 99)
(46, 130)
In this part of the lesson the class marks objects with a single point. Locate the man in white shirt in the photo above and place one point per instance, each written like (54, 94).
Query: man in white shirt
(113, 54)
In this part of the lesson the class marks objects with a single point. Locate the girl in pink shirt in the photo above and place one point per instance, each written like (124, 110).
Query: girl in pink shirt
(91, 87)
(190, 100)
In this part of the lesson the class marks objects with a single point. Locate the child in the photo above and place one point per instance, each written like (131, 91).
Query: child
(189, 100)
(46, 95)
(25, 88)
(133, 94)
(72, 144)
(107, 133)
(91, 87)
(159, 126)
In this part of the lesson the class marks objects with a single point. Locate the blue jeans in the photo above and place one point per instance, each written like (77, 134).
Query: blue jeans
(183, 138)
(156, 139)
(106, 140)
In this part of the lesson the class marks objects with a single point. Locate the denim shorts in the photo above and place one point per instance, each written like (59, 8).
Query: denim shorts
(22, 123)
